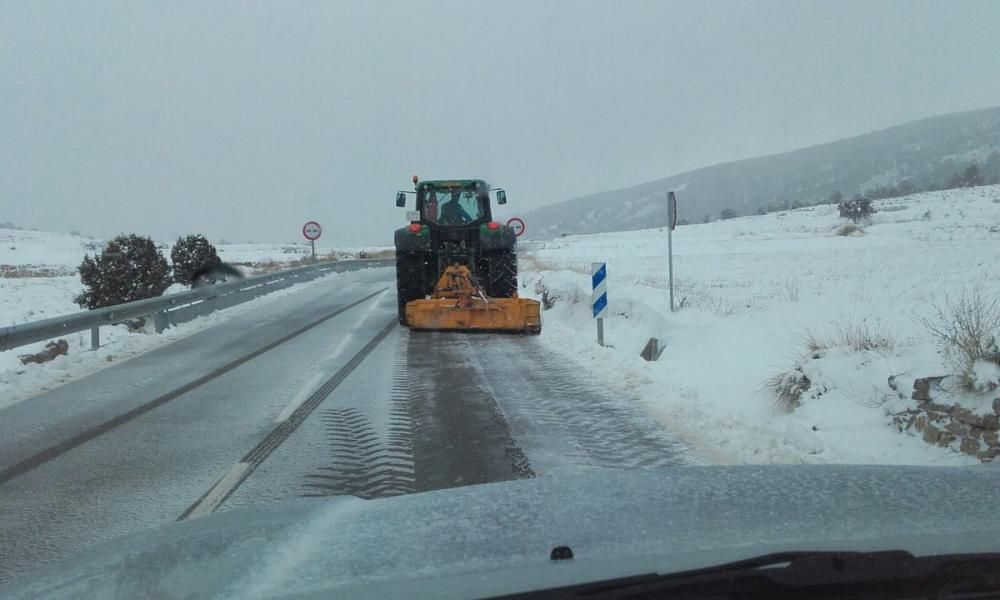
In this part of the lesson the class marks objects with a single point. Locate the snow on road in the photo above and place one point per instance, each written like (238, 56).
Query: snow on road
(751, 291)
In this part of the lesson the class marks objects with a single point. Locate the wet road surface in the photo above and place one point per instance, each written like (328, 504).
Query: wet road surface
(315, 394)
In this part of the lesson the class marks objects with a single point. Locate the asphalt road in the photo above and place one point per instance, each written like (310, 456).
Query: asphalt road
(317, 393)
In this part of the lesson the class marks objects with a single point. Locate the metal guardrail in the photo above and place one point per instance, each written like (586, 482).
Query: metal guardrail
(174, 308)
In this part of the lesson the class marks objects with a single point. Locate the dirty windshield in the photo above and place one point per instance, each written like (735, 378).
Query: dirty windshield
(478, 280)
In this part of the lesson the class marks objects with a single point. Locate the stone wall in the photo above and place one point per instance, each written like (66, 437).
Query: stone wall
(951, 426)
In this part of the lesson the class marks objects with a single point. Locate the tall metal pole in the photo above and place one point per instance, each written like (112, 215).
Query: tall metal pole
(312, 243)
(672, 222)
(670, 265)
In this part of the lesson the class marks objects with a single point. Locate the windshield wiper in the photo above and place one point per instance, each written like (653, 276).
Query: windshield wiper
(888, 574)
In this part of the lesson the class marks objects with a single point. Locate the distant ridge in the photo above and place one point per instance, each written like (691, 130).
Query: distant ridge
(923, 153)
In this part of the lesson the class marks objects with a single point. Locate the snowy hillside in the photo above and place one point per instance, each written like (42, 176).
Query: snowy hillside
(923, 154)
(752, 293)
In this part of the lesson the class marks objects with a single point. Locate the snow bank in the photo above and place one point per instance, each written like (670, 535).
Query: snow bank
(18, 382)
(751, 291)
(38, 280)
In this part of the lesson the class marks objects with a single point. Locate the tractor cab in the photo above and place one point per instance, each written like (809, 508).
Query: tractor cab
(453, 221)
(453, 203)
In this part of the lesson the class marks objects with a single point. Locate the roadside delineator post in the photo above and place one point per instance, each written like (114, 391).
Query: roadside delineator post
(599, 298)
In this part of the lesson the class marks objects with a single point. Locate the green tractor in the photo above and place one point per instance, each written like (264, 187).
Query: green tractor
(453, 226)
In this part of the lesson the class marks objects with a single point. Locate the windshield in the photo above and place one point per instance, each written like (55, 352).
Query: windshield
(452, 206)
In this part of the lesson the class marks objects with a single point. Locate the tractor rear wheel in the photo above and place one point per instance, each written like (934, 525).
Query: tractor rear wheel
(409, 280)
(501, 274)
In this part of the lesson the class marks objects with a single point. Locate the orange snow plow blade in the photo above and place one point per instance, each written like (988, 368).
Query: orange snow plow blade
(459, 304)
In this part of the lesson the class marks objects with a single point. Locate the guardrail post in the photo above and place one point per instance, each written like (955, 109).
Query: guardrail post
(160, 321)
(95, 337)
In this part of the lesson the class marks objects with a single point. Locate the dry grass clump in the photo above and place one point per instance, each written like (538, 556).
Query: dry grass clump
(849, 229)
(390, 253)
(787, 389)
(859, 336)
(967, 329)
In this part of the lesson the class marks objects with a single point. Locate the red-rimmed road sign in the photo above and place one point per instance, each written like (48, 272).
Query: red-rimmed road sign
(517, 224)
(311, 230)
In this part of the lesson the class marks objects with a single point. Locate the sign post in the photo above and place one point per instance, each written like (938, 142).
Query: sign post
(517, 224)
(672, 220)
(311, 231)
(599, 299)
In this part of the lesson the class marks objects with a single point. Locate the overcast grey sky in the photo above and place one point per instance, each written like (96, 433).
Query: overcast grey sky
(241, 120)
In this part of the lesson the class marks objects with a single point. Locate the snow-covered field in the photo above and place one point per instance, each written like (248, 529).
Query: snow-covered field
(38, 280)
(24, 252)
(281, 253)
(751, 291)
(38, 276)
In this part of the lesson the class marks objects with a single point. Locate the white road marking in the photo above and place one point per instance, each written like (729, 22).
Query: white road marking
(219, 491)
(307, 390)
(304, 392)
(343, 344)
(368, 313)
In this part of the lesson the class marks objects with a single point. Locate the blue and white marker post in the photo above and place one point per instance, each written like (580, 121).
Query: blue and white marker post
(599, 299)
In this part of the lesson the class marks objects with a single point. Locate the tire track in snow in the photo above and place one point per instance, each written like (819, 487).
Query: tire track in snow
(230, 482)
(569, 422)
(364, 464)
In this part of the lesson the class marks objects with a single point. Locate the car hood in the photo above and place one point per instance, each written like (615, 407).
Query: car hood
(496, 538)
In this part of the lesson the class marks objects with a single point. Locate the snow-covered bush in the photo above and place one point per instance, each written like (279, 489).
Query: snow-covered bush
(129, 268)
(857, 209)
(787, 388)
(967, 329)
(192, 255)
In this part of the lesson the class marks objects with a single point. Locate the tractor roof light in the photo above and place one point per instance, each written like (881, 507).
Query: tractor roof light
(493, 225)
(415, 227)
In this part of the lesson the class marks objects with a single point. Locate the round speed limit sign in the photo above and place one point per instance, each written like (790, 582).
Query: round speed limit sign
(311, 230)
(517, 224)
